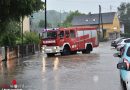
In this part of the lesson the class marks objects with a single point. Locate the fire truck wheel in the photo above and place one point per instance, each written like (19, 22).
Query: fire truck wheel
(50, 54)
(66, 51)
(85, 51)
(73, 52)
(88, 49)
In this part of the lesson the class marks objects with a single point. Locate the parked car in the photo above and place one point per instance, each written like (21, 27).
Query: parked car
(124, 66)
(115, 42)
(121, 43)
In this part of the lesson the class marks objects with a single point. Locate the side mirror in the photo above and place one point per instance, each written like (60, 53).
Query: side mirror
(122, 66)
(117, 55)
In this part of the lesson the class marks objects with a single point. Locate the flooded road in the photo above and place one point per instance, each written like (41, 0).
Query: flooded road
(95, 71)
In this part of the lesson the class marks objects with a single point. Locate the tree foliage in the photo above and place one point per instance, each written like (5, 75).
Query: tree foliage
(42, 24)
(11, 35)
(69, 18)
(124, 13)
(15, 9)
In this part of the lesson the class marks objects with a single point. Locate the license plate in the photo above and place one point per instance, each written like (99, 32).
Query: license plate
(48, 50)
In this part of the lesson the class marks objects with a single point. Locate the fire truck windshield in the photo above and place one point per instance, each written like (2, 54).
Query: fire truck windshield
(50, 34)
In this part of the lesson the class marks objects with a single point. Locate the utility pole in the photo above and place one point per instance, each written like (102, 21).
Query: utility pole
(99, 16)
(22, 36)
(60, 18)
(102, 24)
(45, 14)
(99, 22)
(100, 19)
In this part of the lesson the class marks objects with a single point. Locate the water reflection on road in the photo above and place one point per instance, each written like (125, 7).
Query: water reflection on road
(95, 71)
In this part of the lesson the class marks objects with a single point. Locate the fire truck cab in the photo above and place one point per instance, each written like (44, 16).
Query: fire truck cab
(69, 40)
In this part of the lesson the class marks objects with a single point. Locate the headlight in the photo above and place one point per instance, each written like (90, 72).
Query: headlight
(55, 48)
(43, 47)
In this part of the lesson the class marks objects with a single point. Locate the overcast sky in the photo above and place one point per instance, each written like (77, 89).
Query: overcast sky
(84, 6)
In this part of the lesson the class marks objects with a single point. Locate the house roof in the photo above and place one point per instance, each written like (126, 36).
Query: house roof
(93, 19)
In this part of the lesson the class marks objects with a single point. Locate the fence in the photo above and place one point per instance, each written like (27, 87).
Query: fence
(2, 53)
(11, 52)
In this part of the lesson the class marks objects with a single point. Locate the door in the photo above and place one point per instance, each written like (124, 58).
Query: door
(61, 38)
(80, 39)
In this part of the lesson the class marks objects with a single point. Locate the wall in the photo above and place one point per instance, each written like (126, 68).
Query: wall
(122, 28)
(18, 51)
(116, 24)
(114, 28)
(108, 28)
(26, 24)
(2, 53)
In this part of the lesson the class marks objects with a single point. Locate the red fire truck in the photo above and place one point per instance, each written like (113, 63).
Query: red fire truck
(69, 40)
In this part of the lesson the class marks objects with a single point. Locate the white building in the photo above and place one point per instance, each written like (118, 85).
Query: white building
(26, 24)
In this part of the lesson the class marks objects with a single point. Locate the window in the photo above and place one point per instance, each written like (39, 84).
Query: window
(87, 32)
(122, 50)
(127, 41)
(49, 34)
(128, 52)
(67, 34)
(72, 33)
(86, 20)
(94, 20)
(120, 41)
(80, 33)
(61, 34)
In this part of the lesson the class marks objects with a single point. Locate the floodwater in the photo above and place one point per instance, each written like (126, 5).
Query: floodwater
(95, 71)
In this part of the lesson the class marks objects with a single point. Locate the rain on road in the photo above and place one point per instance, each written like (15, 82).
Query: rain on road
(95, 71)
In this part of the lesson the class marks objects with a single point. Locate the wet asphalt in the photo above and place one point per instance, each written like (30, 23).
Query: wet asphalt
(94, 71)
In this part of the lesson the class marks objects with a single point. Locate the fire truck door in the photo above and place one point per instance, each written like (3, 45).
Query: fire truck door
(80, 39)
(73, 40)
(61, 38)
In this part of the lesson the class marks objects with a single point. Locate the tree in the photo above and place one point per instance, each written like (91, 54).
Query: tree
(42, 24)
(124, 13)
(69, 18)
(11, 35)
(16, 9)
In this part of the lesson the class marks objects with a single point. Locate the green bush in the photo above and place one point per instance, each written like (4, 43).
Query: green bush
(11, 33)
(31, 38)
(125, 35)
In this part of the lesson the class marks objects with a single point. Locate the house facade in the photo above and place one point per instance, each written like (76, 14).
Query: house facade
(110, 22)
(26, 24)
(122, 28)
